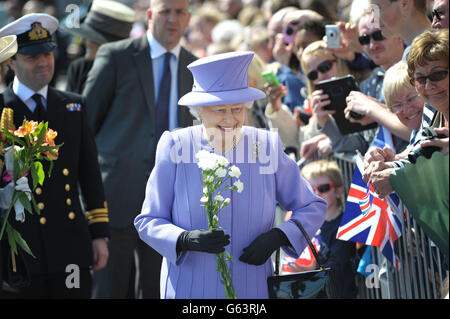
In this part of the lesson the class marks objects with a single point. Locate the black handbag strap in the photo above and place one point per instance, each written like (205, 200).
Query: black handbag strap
(310, 244)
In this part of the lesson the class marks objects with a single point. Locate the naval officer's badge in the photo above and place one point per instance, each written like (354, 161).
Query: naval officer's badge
(37, 32)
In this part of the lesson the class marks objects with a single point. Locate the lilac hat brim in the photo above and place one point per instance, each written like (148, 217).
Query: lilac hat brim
(220, 98)
(221, 79)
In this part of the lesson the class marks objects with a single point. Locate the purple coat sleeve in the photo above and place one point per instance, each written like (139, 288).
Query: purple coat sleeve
(154, 223)
(294, 193)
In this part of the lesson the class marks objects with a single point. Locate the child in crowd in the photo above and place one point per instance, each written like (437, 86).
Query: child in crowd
(326, 180)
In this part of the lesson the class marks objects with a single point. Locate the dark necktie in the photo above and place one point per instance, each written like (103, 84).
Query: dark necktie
(39, 111)
(162, 106)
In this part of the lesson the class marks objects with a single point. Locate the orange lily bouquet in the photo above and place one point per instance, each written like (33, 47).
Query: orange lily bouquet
(30, 144)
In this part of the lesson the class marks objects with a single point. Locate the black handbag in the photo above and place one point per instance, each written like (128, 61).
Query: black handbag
(314, 284)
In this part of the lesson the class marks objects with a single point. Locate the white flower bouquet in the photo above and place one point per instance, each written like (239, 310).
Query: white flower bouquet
(216, 174)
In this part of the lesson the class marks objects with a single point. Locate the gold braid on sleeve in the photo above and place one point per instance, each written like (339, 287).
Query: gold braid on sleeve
(98, 215)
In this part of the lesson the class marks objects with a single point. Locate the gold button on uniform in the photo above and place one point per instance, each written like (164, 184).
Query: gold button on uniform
(38, 191)
(40, 206)
(71, 215)
(67, 187)
(42, 220)
(65, 172)
(68, 201)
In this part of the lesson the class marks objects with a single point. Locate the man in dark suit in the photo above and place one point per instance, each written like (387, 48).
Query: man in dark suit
(129, 107)
(67, 243)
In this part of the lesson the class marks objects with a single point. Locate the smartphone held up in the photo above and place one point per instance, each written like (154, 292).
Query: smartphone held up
(333, 36)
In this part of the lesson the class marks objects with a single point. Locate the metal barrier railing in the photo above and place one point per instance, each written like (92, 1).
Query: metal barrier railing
(422, 273)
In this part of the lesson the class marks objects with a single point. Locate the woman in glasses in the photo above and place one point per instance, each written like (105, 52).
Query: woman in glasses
(325, 178)
(402, 98)
(428, 72)
(428, 69)
(321, 64)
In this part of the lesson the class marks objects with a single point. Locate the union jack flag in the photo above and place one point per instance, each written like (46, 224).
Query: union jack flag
(306, 259)
(369, 219)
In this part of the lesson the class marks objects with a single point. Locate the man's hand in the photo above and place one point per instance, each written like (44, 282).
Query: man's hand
(376, 154)
(101, 253)
(324, 148)
(380, 182)
(374, 167)
(309, 147)
(281, 51)
(349, 42)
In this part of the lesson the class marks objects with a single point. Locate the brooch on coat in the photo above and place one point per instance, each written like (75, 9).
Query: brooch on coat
(73, 107)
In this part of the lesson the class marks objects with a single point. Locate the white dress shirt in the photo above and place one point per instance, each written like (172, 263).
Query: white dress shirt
(25, 93)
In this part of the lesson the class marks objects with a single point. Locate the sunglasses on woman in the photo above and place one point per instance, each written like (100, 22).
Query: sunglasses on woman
(433, 77)
(323, 67)
(376, 36)
(323, 188)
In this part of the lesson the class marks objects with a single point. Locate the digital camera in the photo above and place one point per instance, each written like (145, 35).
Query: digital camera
(417, 151)
(333, 36)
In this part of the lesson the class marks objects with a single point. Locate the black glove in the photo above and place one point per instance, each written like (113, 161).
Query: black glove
(263, 246)
(208, 241)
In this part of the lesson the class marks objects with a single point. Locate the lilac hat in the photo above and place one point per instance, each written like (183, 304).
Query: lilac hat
(221, 79)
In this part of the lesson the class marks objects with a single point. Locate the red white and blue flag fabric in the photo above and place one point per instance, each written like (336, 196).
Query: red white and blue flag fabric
(306, 260)
(369, 219)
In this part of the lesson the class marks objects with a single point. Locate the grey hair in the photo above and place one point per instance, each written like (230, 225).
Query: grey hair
(196, 110)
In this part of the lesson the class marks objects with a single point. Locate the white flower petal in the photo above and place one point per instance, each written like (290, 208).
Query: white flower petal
(239, 185)
(235, 171)
(221, 172)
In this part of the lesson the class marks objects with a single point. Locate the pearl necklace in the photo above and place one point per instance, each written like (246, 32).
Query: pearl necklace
(235, 141)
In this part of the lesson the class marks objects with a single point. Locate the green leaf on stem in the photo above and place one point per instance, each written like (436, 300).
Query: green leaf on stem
(36, 208)
(25, 202)
(39, 172)
(11, 238)
(5, 217)
(22, 243)
(12, 137)
(34, 176)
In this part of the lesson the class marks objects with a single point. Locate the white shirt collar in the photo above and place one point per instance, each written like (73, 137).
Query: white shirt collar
(156, 49)
(24, 92)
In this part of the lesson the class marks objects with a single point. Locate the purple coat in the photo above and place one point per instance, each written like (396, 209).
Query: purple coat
(172, 205)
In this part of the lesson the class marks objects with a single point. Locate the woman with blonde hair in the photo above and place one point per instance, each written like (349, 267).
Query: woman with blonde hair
(318, 64)
(402, 98)
(321, 64)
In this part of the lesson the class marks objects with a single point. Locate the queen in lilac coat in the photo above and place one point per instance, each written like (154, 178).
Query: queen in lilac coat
(172, 205)
(172, 209)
